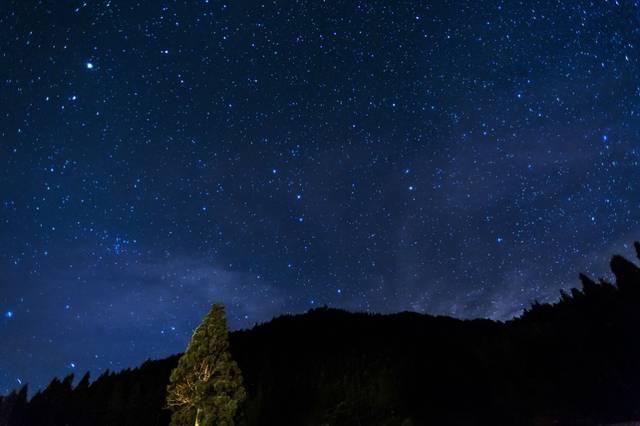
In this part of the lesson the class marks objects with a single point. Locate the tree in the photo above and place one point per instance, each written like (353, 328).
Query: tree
(206, 386)
(13, 408)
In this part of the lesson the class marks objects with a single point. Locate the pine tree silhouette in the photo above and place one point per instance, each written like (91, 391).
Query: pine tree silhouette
(206, 386)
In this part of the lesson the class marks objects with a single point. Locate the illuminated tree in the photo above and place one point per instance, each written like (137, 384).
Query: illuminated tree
(206, 386)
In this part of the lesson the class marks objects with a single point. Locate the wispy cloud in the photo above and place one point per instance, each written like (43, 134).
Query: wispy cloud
(124, 312)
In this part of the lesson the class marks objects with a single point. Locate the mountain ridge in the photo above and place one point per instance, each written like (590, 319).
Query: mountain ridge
(572, 362)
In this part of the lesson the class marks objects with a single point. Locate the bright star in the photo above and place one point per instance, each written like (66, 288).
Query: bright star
(89, 65)
(8, 314)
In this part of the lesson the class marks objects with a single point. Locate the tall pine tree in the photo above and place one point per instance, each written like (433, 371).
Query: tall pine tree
(206, 387)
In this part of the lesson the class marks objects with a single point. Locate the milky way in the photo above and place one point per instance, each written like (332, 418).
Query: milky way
(447, 157)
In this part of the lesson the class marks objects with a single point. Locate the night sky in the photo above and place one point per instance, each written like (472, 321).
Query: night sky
(449, 157)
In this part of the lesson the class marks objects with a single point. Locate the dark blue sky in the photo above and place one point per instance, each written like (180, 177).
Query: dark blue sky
(450, 157)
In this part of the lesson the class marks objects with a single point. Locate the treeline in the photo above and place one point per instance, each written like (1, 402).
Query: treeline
(575, 362)
(125, 398)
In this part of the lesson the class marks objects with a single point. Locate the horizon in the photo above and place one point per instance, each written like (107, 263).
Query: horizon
(31, 391)
(92, 377)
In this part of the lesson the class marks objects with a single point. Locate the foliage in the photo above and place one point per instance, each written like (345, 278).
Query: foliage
(206, 386)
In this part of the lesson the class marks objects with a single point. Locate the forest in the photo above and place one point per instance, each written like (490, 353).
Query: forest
(573, 362)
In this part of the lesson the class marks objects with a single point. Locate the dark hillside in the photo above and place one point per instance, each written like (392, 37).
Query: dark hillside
(572, 363)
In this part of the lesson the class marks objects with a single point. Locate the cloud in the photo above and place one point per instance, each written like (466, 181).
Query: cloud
(178, 289)
(116, 314)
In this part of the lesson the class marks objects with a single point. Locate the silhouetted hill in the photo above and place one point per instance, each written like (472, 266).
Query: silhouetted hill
(576, 362)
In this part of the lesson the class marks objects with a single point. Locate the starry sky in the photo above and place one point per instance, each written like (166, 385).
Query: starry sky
(461, 158)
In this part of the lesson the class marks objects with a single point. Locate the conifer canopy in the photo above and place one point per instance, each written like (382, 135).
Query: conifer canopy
(206, 386)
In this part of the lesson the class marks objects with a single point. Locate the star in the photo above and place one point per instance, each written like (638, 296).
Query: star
(203, 140)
